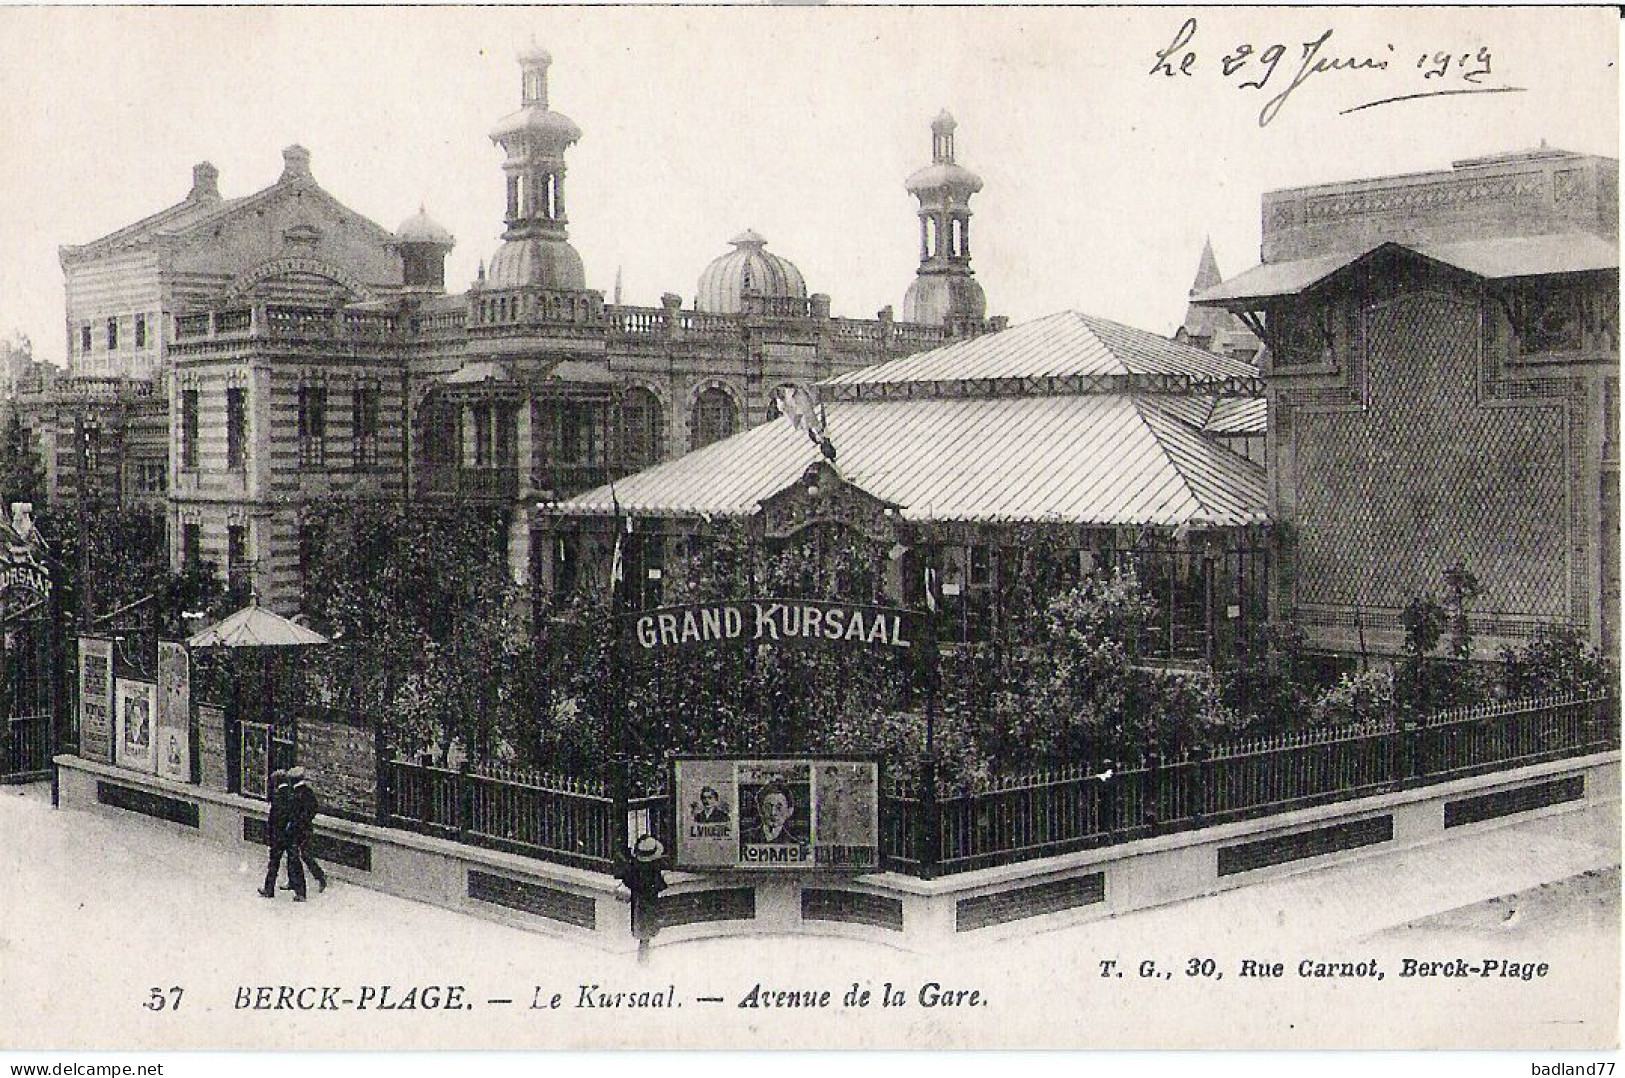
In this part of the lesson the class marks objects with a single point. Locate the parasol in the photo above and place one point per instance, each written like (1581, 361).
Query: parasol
(254, 627)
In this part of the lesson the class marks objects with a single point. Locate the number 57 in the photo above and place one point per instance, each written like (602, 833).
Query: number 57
(162, 999)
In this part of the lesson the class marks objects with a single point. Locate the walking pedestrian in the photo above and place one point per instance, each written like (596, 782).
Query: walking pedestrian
(284, 839)
(644, 879)
(304, 818)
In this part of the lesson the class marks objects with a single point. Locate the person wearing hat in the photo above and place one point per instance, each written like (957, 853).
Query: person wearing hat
(284, 838)
(304, 823)
(644, 879)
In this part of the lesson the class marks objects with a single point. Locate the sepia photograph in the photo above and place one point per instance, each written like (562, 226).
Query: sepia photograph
(538, 529)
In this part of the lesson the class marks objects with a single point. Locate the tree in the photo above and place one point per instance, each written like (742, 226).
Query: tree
(1423, 620)
(1270, 684)
(430, 630)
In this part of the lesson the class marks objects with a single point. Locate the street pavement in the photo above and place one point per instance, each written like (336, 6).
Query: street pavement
(97, 912)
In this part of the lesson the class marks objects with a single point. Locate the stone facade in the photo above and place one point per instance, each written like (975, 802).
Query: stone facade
(292, 350)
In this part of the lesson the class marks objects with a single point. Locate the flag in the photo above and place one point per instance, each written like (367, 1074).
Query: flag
(796, 404)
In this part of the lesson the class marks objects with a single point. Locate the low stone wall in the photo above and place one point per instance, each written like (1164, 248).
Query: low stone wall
(886, 908)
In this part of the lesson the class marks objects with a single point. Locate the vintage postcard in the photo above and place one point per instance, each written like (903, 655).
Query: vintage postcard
(801, 527)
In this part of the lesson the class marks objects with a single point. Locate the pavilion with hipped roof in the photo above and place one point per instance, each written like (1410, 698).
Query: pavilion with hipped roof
(1119, 446)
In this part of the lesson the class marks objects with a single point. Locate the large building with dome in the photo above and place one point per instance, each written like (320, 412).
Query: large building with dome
(235, 359)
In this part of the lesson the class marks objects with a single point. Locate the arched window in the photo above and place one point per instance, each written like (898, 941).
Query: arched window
(930, 237)
(715, 417)
(642, 428)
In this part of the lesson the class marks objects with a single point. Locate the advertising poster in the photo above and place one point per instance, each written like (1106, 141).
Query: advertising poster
(136, 745)
(801, 814)
(706, 814)
(96, 699)
(775, 814)
(174, 712)
(846, 824)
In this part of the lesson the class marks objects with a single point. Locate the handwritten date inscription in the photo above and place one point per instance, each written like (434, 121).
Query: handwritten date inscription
(1284, 68)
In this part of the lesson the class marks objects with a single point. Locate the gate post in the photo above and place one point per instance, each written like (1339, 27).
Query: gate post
(1156, 790)
(382, 798)
(1196, 781)
(931, 814)
(465, 800)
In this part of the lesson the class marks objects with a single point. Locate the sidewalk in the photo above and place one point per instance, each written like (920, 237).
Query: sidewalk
(99, 911)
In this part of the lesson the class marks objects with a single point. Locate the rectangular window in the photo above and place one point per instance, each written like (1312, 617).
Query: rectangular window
(581, 434)
(191, 546)
(484, 437)
(140, 331)
(312, 426)
(91, 438)
(236, 428)
(364, 426)
(151, 477)
(189, 428)
(112, 334)
(310, 554)
(84, 338)
(237, 554)
(981, 567)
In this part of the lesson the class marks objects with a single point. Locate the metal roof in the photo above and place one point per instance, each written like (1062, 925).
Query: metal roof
(1238, 415)
(1495, 259)
(1058, 346)
(1118, 459)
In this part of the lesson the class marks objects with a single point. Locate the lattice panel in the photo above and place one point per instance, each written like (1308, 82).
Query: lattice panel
(1430, 474)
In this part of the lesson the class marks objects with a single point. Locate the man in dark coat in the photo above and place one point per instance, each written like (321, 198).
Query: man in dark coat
(644, 879)
(284, 839)
(304, 821)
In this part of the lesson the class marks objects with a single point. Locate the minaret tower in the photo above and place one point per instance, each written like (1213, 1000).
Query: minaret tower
(945, 291)
(536, 248)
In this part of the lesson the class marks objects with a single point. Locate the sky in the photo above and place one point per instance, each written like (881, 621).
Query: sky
(1102, 176)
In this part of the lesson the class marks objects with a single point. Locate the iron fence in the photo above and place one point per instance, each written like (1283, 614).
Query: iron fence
(553, 817)
(27, 748)
(1042, 814)
(1051, 813)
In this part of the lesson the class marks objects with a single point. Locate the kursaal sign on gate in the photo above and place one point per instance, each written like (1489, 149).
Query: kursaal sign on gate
(770, 621)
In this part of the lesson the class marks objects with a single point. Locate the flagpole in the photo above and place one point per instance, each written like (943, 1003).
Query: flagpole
(618, 779)
(931, 847)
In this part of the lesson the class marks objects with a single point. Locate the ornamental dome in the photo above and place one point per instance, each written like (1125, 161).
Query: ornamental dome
(421, 228)
(747, 268)
(943, 299)
(943, 174)
(554, 127)
(540, 261)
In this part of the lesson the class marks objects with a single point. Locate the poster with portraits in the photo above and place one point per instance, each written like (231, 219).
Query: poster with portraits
(96, 699)
(174, 718)
(136, 740)
(801, 814)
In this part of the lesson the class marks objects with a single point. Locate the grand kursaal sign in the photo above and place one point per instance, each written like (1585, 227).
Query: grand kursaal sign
(648, 633)
(795, 814)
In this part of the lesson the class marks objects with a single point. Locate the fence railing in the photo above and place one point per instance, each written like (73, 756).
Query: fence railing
(26, 750)
(553, 817)
(1040, 814)
(1047, 814)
